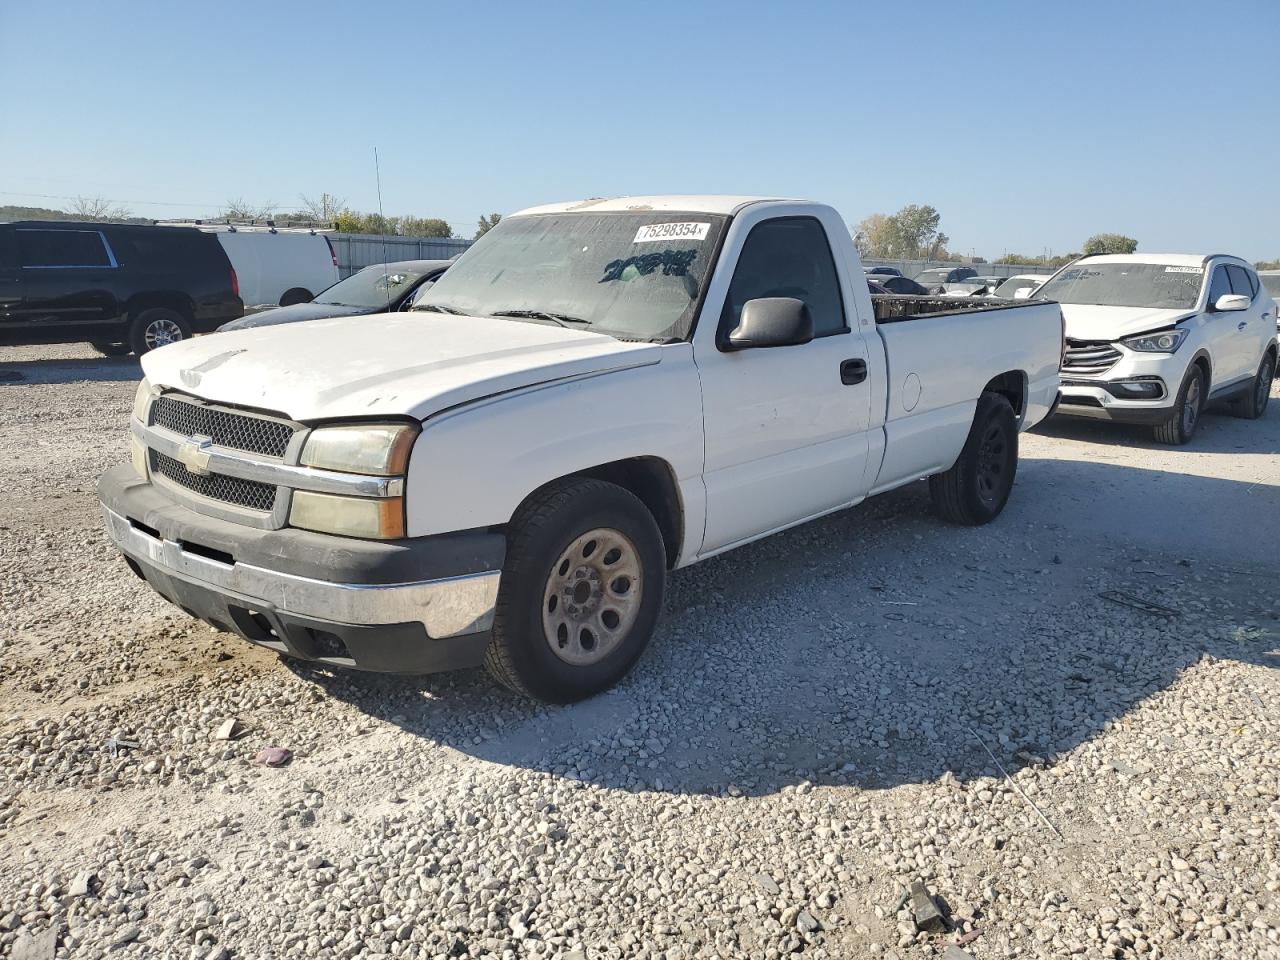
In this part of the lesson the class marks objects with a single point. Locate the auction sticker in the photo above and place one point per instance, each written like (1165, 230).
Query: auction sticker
(1182, 269)
(651, 232)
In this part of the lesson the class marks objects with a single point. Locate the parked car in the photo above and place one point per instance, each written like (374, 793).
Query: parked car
(381, 288)
(903, 285)
(1019, 286)
(505, 473)
(886, 271)
(120, 287)
(1152, 338)
(970, 287)
(280, 266)
(1271, 285)
(876, 288)
(935, 278)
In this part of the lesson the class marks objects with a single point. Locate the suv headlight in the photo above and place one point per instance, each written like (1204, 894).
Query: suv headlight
(373, 449)
(1165, 341)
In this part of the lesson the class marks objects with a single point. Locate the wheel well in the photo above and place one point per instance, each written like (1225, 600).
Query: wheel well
(296, 295)
(1011, 385)
(653, 483)
(1202, 360)
(174, 301)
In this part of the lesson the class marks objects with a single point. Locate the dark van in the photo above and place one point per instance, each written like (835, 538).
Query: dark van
(121, 287)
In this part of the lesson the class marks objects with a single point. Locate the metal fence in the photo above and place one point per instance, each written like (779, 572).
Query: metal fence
(358, 250)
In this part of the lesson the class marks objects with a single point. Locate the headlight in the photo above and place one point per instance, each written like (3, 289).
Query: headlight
(142, 401)
(381, 519)
(378, 449)
(1166, 341)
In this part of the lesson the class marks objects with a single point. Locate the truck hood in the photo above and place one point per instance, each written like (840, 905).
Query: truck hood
(395, 364)
(1086, 321)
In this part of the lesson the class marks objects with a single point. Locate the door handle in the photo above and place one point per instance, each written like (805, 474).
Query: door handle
(853, 371)
(1242, 324)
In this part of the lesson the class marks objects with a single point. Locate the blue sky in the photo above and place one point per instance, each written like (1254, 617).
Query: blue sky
(1028, 125)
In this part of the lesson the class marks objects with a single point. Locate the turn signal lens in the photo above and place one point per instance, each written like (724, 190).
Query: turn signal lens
(381, 519)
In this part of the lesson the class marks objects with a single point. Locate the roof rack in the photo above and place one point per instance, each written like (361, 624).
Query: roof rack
(251, 224)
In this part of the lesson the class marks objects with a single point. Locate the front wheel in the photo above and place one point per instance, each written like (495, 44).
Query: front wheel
(1180, 426)
(1254, 404)
(581, 591)
(977, 486)
(157, 327)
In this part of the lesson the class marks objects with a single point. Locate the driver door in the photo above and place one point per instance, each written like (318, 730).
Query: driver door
(785, 427)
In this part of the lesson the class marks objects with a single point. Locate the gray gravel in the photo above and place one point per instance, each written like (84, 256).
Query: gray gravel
(804, 739)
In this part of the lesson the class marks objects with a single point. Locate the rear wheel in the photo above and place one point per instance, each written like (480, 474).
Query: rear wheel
(1180, 426)
(977, 486)
(157, 327)
(110, 349)
(1254, 404)
(581, 591)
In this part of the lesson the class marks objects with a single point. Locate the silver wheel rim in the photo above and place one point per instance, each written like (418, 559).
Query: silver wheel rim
(162, 332)
(592, 597)
(1191, 406)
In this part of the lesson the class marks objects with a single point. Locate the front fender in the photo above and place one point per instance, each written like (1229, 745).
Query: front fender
(472, 466)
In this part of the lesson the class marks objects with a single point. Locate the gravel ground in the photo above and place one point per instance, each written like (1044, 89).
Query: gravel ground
(807, 735)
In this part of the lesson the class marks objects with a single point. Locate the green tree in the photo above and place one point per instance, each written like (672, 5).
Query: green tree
(424, 227)
(911, 233)
(486, 224)
(1109, 243)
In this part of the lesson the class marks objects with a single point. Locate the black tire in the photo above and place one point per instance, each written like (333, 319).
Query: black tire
(111, 349)
(296, 295)
(1253, 405)
(1180, 426)
(520, 653)
(157, 327)
(977, 486)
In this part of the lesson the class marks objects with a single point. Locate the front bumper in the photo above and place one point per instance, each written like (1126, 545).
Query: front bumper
(1098, 400)
(417, 605)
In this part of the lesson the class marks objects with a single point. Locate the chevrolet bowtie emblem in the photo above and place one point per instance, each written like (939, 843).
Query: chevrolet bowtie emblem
(195, 454)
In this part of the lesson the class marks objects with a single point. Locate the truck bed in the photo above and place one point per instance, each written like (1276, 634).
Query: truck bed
(896, 307)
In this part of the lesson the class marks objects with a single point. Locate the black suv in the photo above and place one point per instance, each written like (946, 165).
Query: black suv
(121, 287)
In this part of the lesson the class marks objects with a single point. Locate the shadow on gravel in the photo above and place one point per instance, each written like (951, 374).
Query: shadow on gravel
(868, 648)
(69, 370)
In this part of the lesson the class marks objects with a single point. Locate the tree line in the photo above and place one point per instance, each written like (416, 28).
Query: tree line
(914, 233)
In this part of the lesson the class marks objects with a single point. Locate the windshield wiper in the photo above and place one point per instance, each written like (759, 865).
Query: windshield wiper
(439, 308)
(561, 319)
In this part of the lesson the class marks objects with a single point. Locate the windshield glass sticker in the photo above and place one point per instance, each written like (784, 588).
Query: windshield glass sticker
(1181, 269)
(674, 263)
(651, 232)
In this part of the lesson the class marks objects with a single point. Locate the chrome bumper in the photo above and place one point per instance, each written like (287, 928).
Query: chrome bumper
(446, 608)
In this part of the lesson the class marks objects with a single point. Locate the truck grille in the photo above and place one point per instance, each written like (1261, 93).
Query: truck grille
(242, 493)
(224, 427)
(1089, 359)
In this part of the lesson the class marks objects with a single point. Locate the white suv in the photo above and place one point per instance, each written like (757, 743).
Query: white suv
(1151, 338)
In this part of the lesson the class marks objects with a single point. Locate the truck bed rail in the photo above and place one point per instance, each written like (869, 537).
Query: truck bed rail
(895, 308)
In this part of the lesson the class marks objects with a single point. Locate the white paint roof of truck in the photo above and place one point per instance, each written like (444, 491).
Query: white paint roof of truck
(682, 204)
(1164, 259)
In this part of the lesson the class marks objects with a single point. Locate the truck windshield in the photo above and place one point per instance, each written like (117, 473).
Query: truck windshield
(1157, 286)
(631, 275)
(374, 286)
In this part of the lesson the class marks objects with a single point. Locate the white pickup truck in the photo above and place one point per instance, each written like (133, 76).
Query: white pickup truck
(596, 393)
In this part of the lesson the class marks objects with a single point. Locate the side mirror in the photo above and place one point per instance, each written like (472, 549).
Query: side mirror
(1231, 302)
(772, 322)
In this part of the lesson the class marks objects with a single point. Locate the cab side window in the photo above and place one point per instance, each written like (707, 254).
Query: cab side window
(788, 257)
(1240, 284)
(1220, 286)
